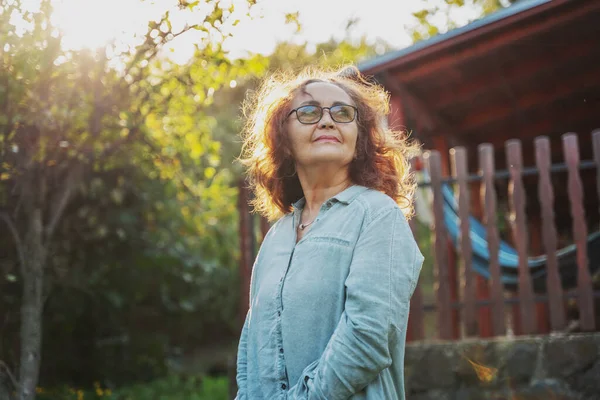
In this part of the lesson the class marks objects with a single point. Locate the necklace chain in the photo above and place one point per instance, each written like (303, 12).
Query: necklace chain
(303, 226)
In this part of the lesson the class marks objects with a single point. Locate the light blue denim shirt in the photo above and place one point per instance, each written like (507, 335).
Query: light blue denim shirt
(328, 315)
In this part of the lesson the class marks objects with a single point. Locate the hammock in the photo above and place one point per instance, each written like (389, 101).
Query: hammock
(508, 257)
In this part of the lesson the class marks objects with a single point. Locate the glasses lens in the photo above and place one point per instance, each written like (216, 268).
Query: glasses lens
(309, 114)
(342, 113)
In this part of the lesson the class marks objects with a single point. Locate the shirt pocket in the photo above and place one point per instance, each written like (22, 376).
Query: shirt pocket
(317, 274)
(329, 239)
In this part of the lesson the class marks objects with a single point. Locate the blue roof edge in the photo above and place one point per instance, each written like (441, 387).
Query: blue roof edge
(488, 19)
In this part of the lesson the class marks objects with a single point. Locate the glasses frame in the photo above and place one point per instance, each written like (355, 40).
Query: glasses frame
(295, 110)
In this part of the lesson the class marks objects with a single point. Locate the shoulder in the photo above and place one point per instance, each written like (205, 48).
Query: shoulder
(279, 224)
(377, 205)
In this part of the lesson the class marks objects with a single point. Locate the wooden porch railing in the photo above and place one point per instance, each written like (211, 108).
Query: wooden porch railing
(484, 305)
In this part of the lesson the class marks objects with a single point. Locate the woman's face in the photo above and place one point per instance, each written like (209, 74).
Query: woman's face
(326, 141)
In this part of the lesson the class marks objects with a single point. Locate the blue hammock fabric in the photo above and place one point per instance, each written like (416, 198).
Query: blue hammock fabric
(508, 257)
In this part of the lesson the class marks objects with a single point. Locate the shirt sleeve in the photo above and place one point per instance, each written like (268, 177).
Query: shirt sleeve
(242, 354)
(242, 362)
(383, 273)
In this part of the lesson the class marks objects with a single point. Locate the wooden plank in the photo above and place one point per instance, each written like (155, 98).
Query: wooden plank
(546, 95)
(427, 120)
(482, 286)
(546, 118)
(556, 300)
(585, 299)
(513, 73)
(396, 118)
(488, 197)
(596, 145)
(442, 286)
(460, 172)
(416, 326)
(433, 60)
(514, 161)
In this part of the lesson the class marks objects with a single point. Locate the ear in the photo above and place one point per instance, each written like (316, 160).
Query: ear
(287, 152)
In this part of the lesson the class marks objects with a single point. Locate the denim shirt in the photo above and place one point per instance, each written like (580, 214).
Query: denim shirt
(328, 315)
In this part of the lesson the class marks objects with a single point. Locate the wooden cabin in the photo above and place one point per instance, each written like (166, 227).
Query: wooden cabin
(526, 71)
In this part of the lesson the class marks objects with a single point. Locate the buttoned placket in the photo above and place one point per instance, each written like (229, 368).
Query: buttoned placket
(281, 367)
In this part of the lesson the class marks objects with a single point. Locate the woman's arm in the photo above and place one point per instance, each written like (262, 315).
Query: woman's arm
(383, 274)
(242, 355)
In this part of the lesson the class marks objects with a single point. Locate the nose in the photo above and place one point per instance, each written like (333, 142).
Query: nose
(326, 122)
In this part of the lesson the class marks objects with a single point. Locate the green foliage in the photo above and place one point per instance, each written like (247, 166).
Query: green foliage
(170, 388)
(442, 16)
(142, 259)
(177, 388)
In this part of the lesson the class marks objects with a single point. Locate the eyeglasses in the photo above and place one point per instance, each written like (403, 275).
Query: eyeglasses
(341, 113)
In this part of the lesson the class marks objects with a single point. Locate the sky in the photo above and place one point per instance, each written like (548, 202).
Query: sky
(93, 23)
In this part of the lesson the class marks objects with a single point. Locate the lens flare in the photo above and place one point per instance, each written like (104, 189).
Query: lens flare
(484, 374)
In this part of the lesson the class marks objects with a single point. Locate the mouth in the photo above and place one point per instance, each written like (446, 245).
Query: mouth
(327, 138)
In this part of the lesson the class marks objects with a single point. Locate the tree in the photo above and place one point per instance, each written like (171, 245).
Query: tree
(65, 115)
(444, 16)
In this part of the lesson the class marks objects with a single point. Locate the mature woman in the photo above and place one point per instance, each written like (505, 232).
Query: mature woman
(331, 285)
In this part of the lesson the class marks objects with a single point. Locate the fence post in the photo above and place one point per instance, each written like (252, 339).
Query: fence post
(460, 172)
(444, 309)
(554, 289)
(585, 292)
(514, 161)
(596, 145)
(488, 196)
(416, 328)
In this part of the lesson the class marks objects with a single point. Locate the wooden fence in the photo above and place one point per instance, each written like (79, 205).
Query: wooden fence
(465, 303)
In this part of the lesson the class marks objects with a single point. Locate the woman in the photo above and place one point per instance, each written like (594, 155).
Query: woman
(330, 288)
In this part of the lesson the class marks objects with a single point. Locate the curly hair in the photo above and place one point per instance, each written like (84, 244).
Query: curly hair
(382, 154)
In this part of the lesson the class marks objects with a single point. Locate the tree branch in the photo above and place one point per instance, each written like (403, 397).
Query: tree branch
(62, 201)
(18, 244)
(9, 374)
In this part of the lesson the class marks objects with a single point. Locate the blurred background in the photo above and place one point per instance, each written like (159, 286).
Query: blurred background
(119, 130)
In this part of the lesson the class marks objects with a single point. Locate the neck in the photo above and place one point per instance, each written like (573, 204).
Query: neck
(320, 184)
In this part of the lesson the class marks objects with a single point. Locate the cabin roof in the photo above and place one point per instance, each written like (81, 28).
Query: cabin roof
(527, 70)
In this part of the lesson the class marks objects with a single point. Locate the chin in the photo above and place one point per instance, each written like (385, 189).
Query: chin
(330, 158)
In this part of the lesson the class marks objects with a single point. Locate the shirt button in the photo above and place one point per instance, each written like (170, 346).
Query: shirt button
(283, 386)
(281, 351)
(279, 313)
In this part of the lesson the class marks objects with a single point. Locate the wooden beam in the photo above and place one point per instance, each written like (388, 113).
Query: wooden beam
(481, 42)
(513, 74)
(555, 91)
(555, 122)
(409, 100)
(397, 115)
(428, 121)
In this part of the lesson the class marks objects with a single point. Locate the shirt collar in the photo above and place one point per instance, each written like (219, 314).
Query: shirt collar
(346, 196)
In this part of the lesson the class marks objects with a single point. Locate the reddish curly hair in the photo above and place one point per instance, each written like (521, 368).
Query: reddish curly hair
(382, 154)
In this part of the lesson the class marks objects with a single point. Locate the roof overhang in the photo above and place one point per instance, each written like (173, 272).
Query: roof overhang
(530, 69)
